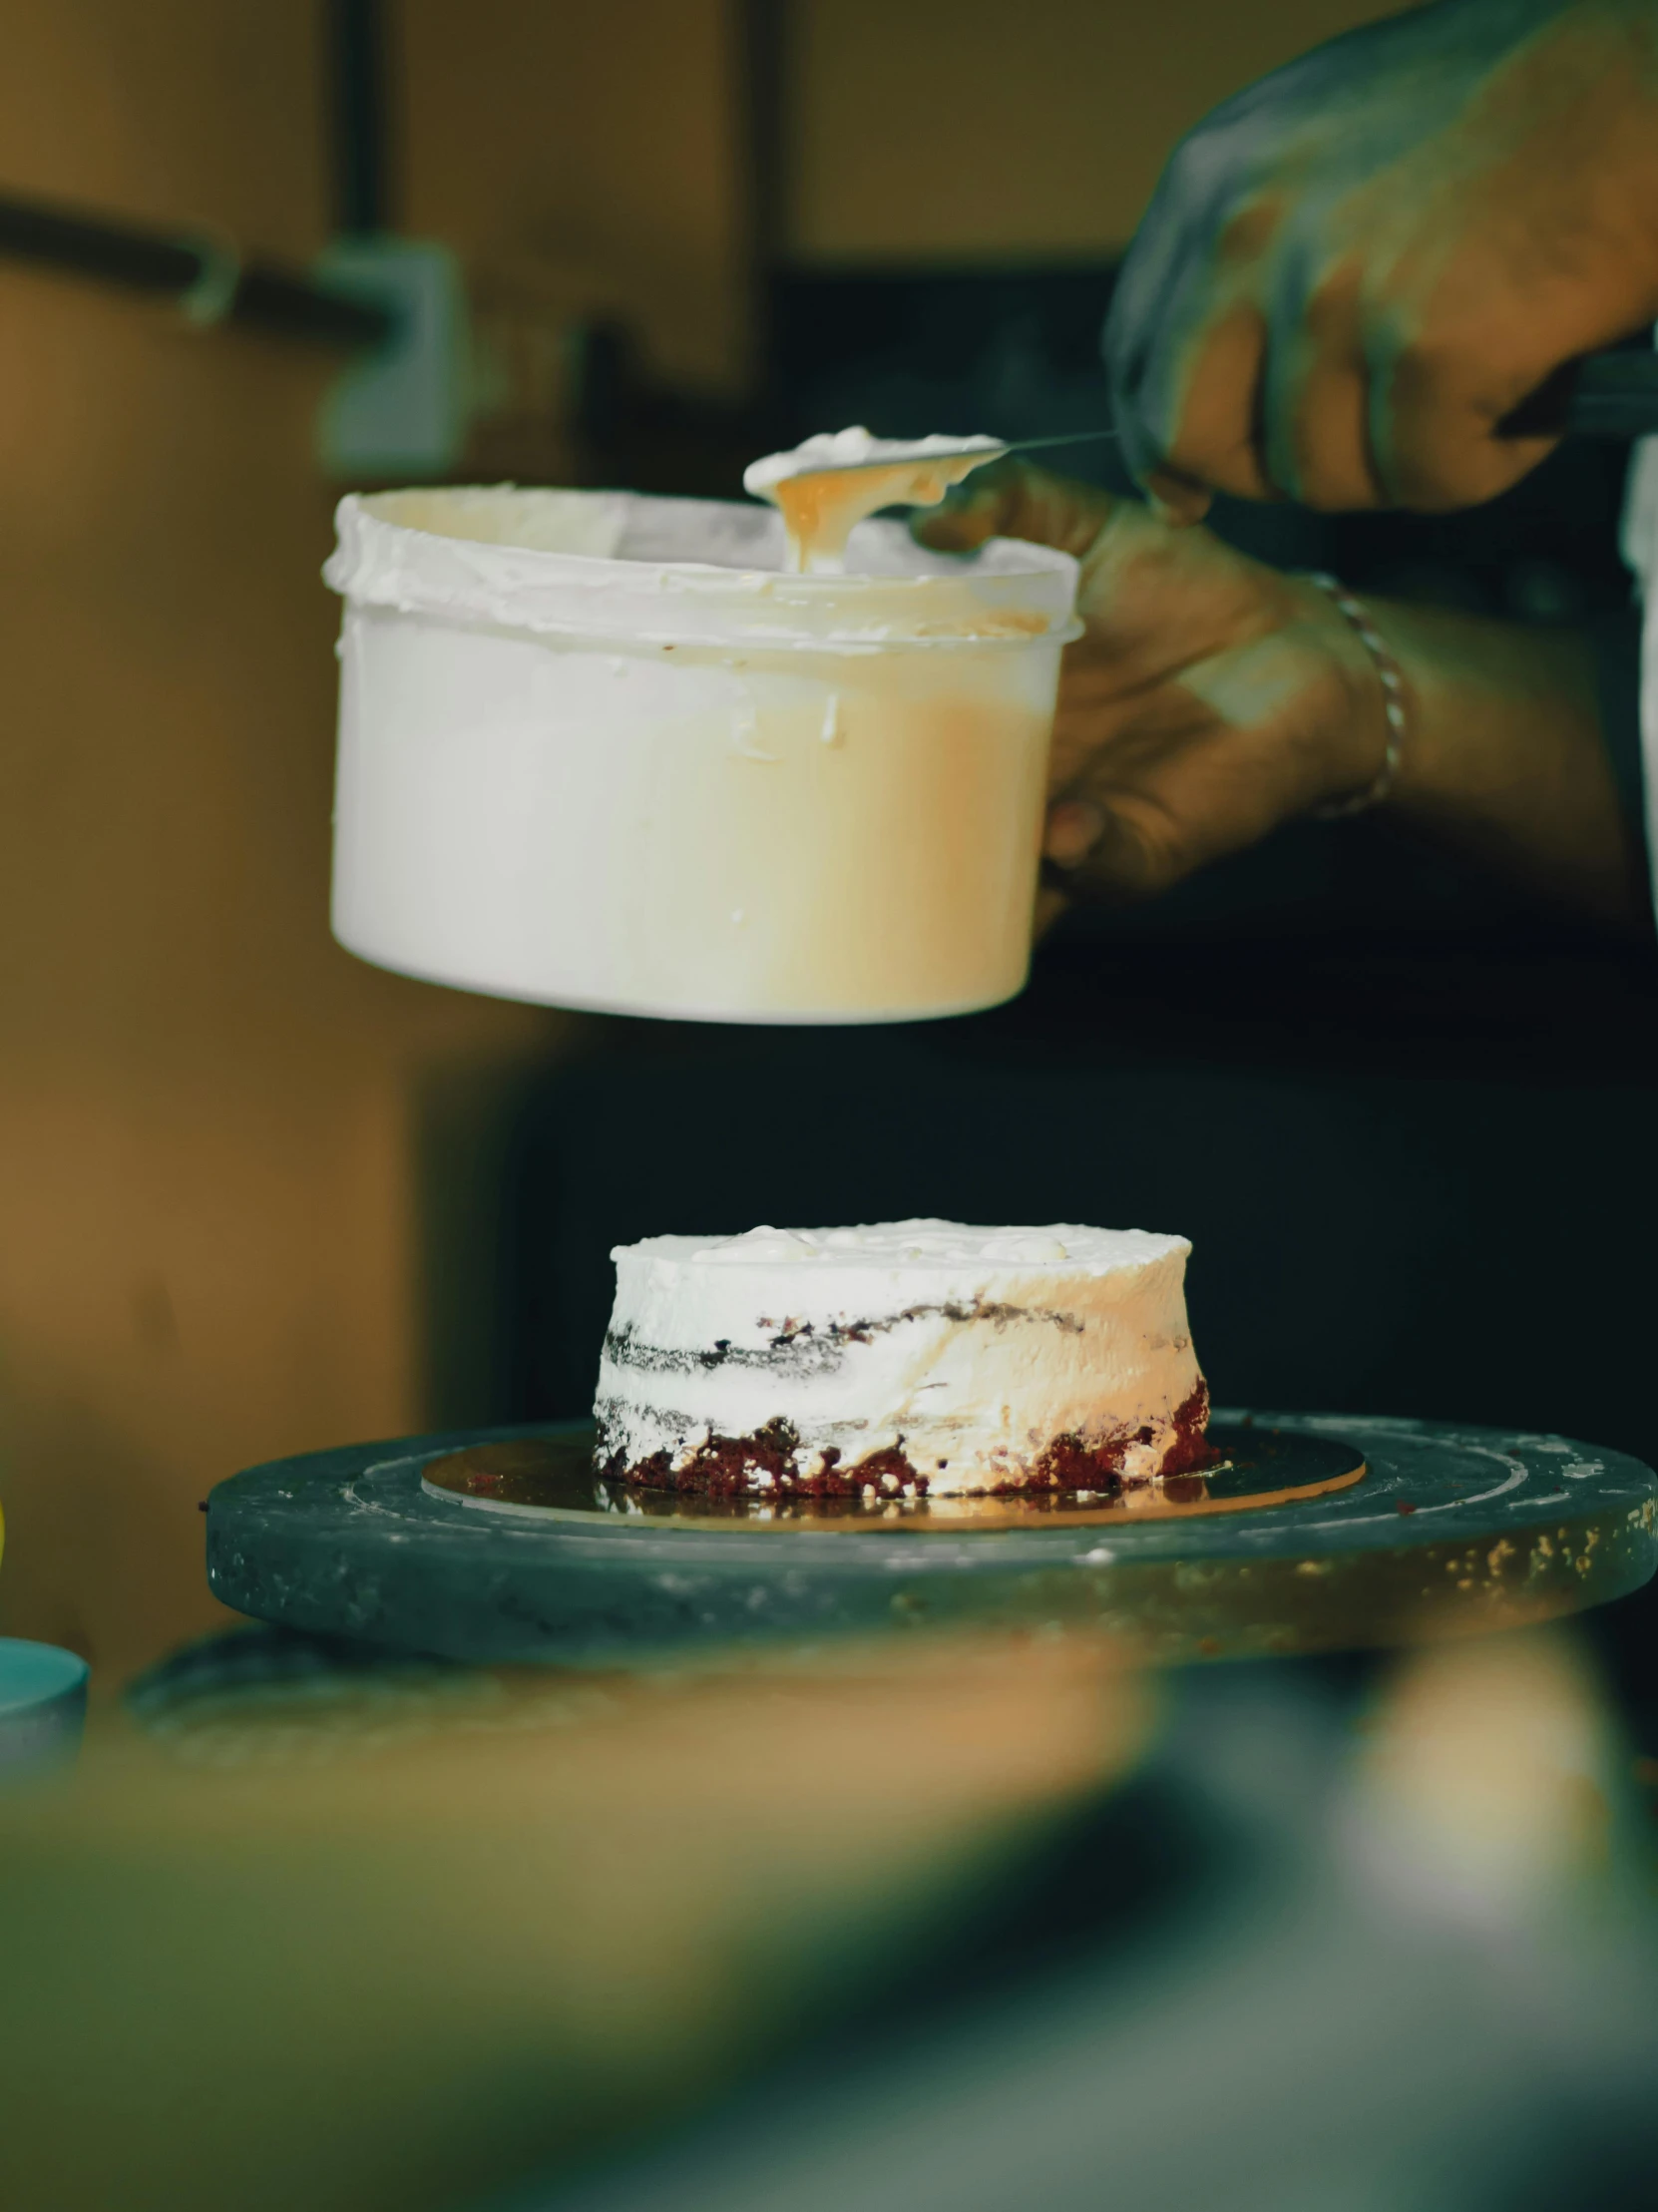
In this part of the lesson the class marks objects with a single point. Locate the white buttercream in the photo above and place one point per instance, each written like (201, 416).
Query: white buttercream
(612, 569)
(973, 1348)
(851, 476)
(855, 449)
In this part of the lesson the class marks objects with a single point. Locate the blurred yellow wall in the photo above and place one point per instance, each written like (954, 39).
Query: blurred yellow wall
(1001, 128)
(601, 141)
(206, 1191)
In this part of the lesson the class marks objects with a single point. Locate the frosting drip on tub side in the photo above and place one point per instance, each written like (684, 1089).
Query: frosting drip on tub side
(908, 1356)
(834, 481)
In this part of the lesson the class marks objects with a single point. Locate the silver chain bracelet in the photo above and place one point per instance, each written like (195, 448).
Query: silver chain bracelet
(1357, 617)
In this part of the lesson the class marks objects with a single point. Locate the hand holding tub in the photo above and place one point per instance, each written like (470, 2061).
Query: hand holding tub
(1212, 699)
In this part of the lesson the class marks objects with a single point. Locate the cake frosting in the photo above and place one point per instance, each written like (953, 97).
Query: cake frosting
(905, 1357)
(828, 484)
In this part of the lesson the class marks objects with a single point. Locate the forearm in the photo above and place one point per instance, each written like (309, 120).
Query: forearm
(1212, 699)
(1505, 761)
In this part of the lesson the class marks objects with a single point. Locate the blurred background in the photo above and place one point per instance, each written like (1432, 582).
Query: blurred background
(917, 1924)
(257, 1198)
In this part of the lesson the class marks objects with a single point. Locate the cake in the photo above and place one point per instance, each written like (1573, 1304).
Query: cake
(904, 1358)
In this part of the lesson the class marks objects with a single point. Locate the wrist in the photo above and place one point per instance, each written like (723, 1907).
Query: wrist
(1366, 701)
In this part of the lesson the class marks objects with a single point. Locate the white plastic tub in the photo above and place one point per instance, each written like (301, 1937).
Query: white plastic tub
(598, 750)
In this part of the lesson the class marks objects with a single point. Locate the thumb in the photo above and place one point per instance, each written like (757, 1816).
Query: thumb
(1009, 499)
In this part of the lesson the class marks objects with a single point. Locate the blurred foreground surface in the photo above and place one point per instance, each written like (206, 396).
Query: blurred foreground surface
(974, 1924)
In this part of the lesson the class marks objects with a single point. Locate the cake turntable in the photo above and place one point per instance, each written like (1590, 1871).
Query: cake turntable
(502, 1546)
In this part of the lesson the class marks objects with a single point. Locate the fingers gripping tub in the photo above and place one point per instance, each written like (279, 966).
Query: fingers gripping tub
(598, 750)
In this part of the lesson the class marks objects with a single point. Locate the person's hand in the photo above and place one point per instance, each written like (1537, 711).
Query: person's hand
(1208, 699)
(1352, 273)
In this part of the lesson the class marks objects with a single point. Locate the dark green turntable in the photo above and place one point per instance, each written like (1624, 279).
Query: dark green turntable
(1316, 1533)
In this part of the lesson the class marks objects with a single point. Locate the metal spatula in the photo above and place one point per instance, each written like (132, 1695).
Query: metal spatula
(974, 449)
(1602, 395)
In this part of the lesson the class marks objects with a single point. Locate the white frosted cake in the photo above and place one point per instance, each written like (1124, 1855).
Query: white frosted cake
(902, 1358)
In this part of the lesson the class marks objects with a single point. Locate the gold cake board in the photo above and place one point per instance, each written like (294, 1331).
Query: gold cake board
(554, 1477)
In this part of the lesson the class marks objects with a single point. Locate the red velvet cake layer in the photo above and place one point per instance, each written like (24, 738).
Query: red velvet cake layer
(727, 1465)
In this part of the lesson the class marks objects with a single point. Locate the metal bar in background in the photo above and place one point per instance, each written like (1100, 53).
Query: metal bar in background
(256, 295)
(766, 32)
(1615, 395)
(361, 106)
(1599, 396)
